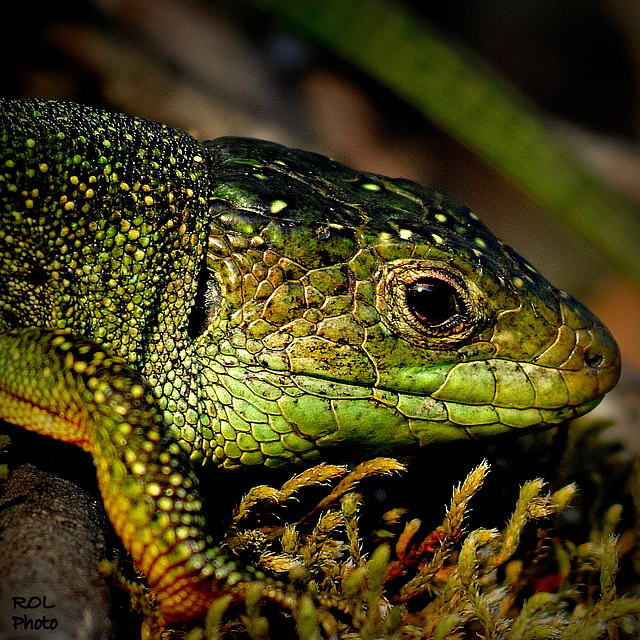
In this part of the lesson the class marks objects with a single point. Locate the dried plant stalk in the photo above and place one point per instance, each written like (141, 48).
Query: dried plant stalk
(452, 531)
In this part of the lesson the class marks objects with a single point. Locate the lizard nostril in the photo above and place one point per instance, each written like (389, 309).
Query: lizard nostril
(593, 359)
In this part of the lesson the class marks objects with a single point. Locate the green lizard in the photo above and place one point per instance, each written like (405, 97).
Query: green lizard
(165, 302)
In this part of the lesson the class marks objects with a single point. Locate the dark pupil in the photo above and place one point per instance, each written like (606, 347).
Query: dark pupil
(432, 301)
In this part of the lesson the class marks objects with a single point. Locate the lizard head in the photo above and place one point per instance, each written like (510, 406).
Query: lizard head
(348, 309)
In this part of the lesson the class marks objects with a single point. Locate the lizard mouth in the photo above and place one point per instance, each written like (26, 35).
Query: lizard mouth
(457, 410)
(477, 397)
(566, 380)
(573, 377)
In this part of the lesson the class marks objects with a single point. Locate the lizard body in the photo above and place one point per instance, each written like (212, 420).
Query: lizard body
(164, 302)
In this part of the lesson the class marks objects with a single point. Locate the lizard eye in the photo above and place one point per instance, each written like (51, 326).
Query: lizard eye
(430, 305)
(435, 303)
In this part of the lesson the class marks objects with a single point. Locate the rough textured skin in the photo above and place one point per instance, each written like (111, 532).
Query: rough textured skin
(164, 301)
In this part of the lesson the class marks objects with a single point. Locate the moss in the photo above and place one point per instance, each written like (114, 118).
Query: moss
(523, 581)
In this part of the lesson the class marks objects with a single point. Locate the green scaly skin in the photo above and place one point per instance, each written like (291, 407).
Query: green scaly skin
(165, 302)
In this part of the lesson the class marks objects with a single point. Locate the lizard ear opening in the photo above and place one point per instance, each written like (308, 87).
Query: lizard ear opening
(206, 303)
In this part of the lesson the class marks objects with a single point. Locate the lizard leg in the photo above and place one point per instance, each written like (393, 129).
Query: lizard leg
(66, 387)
